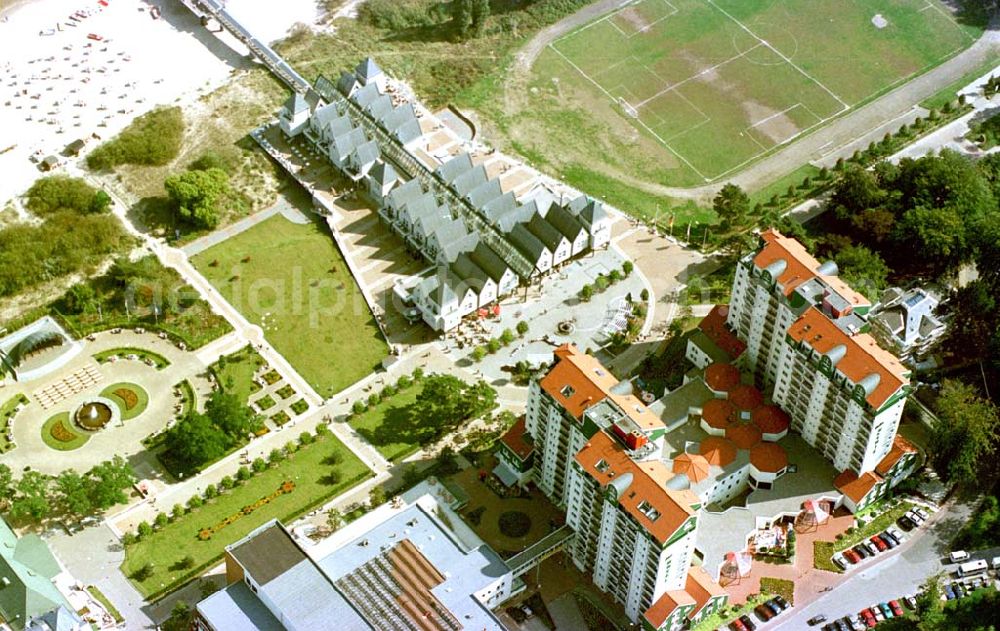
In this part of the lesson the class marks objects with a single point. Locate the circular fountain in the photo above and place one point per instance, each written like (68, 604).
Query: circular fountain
(95, 414)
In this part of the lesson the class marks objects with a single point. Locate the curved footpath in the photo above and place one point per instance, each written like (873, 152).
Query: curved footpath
(846, 129)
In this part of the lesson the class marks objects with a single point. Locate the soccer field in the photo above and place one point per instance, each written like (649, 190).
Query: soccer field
(718, 83)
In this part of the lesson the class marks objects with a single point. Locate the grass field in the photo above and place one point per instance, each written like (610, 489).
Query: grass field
(69, 438)
(124, 394)
(308, 468)
(382, 424)
(708, 86)
(236, 372)
(291, 280)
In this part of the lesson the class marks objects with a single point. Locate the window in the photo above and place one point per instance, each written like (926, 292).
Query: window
(567, 391)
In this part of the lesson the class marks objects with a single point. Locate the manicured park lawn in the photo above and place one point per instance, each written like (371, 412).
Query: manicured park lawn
(387, 425)
(308, 468)
(291, 280)
(236, 371)
(61, 425)
(130, 399)
(158, 360)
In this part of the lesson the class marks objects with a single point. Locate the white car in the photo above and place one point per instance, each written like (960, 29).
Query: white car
(959, 556)
(895, 533)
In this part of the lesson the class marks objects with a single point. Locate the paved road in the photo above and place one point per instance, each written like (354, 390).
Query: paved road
(897, 573)
(848, 128)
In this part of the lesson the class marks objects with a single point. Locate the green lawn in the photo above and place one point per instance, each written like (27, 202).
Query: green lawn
(387, 425)
(139, 398)
(779, 587)
(308, 468)
(6, 414)
(101, 598)
(160, 361)
(235, 372)
(78, 437)
(292, 281)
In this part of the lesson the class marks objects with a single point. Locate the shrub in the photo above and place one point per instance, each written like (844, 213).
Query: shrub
(586, 293)
(161, 520)
(243, 474)
(211, 491)
(644, 294)
(291, 447)
(153, 139)
(418, 373)
(227, 482)
(177, 511)
(322, 429)
(359, 407)
(627, 268)
(601, 282)
(306, 438)
(478, 353)
(129, 538)
(143, 572)
(507, 337)
(57, 193)
(493, 345)
(195, 501)
(258, 464)
(144, 529)
(388, 391)
(522, 326)
(404, 382)
(614, 276)
(276, 455)
(374, 399)
(840, 536)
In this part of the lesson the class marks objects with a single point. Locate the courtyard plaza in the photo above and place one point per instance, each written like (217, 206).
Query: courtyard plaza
(120, 437)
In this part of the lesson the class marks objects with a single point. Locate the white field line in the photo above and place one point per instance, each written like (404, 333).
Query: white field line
(775, 115)
(950, 18)
(610, 15)
(654, 22)
(701, 73)
(639, 120)
(618, 28)
(779, 54)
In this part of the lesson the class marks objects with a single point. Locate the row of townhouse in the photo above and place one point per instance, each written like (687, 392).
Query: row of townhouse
(481, 240)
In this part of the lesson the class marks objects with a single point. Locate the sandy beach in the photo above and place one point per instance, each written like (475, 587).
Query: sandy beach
(83, 69)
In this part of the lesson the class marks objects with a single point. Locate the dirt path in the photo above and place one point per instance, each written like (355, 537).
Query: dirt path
(839, 132)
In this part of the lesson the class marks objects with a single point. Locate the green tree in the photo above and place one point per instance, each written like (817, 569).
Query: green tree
(73, 493)
(507, 337)
(80, 298)
(965, 436)
(376, 497)
(863, 269)
(857, 190)
(196, 440)
(57, 193)
(231, 415)
(480, 12)
(732, 205)
(109, 482)
(7, 487)
(32, 499)
(938, 234)
(196, 195)
(586, 292)
(460, 12)
(493, 345)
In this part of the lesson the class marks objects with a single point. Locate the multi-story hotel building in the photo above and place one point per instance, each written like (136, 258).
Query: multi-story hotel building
(805, 334)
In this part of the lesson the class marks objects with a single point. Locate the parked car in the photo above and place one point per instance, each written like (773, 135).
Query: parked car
(959, 556)
(878, 543)
(842, 626)
(773, 606)
(816, 620)
(871, 547)
(896, 534)
(878, 613)
(921, 513)
(906, 523)
(763, 613)
(748, 623)
(838, 560)
(959, 590)
(888, 539)
(910, 602)
(896, 609)
(886, 611)
(949, 592)
(914, 516)
(861, 551)
(781, 602)
(852, 556)
(869, 618)
(736, 625)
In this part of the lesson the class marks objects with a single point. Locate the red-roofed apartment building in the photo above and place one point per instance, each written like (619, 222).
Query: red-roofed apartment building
(803, 328)
(594, 448)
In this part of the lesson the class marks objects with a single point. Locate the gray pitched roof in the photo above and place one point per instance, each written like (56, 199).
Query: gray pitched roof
(325, 115)
(399, 116)
(423, 207)
(427, 223)
(545, 232)
(366, 95)
(409, 190)
(296, 104)
(383, 173)
(367, 69)
(484, 194)
(345, 144)
(408, 132)
(450, 232)
(483, 256)
(346, 83)
(590, 210)
(565, 222)
(469, 180)
(452, 249)
(380, 107)
(499, 206)
(366, 153)
(472, 274)
(454, 167)
(526, 243)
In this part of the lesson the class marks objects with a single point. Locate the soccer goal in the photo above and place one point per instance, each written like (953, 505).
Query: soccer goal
(628, 109)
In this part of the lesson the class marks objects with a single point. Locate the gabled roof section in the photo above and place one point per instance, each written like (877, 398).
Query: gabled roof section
(714, 326)
(589, 210)
(407, 191)
(472, 274)
(864, 362)
(367, 69)
(516, 439)
(497, 207)
(900, 447)
(346, 83)
(456, 247)
(383, 173)
(856, 487)
(565, 222)
(399, 116)
(296, 104)
(577, 380)
(483, 256)
(469, 180)
(267, 553)
(526, 243)
(366, 95)
(701, 587)
(484, 194)
(659, 510)
(380, 107)
(451, 169)
(666, 604)
(787, 260)
(545, 232)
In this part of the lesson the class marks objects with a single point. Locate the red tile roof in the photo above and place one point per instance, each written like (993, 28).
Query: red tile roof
(746, 397)
(800, 266)
(714, 326)
(722, 377)
(694, 466)
(854, 487)
(863, 357)
(514, 439)
(718, 413)
(648, 484)
(771, 419)
(768, 457)
(743, 435)
(717, 450)
(900, 447)
(701, 587)
(666, 604)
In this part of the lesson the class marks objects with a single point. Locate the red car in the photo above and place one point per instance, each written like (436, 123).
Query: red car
(736, 625)
(879, 544)
(896, 609)
(851, 556)
(869, 618)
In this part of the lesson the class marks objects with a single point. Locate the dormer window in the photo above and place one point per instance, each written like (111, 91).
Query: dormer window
(567, 391)
(602, 465)
(647, 509)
